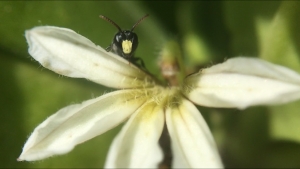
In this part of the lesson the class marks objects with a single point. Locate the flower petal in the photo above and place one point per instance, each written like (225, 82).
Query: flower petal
(242, 82)
(136, 146)
(77, 123)
(192, 143)
(68, 53)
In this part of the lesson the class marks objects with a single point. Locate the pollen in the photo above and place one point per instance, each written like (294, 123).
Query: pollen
(127, 46)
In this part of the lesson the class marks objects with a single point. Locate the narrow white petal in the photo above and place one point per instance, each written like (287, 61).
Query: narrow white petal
(136, 146)
(242, 82)
(77, 123)
(192, 143)
(68, 53)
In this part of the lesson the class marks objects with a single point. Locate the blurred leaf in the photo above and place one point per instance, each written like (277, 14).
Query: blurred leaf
(280, 42)
(12, 123)
(284, 122)
(240, 18)
(204, 33)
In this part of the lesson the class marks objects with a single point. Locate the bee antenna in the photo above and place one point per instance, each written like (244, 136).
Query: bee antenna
(110, 21)
(139, 21)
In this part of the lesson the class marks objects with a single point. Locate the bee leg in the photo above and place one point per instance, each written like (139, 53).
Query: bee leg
(108, 49)
(135, 61)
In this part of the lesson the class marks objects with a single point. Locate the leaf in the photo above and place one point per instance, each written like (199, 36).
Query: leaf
(280, 45)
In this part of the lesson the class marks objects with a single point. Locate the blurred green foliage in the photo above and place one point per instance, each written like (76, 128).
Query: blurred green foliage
(208, 33)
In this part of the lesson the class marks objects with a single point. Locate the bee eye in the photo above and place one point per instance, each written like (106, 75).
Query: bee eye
(129, 34)
(119, 37)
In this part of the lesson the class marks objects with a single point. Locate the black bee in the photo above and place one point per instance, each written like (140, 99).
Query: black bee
(125, 42)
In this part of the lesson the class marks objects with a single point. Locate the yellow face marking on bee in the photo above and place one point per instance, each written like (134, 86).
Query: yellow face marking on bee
(127, 46)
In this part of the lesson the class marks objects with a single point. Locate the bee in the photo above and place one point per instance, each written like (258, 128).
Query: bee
(125, 42)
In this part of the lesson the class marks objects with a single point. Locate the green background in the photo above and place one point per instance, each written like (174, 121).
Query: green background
(208, 33)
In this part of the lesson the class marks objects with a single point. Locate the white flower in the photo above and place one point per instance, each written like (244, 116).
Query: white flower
(236, 83)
